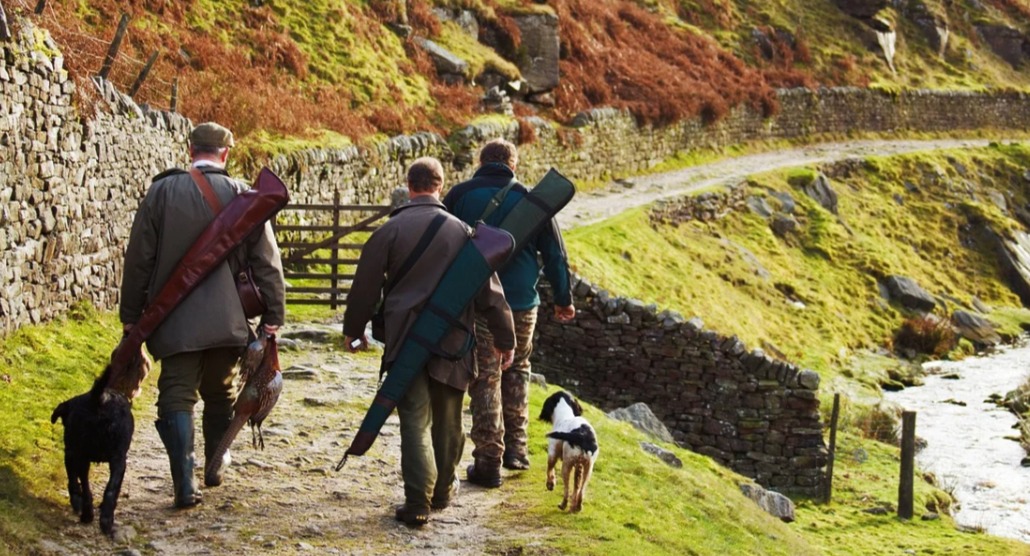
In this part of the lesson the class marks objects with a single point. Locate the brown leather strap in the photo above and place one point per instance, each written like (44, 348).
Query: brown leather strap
(205, 189)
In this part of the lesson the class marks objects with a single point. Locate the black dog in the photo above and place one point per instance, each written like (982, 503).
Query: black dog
(98, 427)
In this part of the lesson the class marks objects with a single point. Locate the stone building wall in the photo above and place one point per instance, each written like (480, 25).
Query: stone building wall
(752, 413)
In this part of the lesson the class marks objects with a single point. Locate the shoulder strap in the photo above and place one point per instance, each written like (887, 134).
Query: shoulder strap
(497, 200)
(416, 253)
(205, 189)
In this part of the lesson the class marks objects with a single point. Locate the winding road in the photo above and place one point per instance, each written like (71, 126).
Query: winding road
(596, 206)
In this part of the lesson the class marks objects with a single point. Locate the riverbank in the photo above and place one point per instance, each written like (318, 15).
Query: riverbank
(970, 445)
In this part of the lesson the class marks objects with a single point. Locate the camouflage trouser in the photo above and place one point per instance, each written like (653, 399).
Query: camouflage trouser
(500, 401)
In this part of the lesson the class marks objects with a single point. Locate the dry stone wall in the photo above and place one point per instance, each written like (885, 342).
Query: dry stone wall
(69, 184)
(750, 412)
(606, 143)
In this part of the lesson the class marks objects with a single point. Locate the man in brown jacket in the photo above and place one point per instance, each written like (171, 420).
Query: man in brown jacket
(201, 340)
(432, 438)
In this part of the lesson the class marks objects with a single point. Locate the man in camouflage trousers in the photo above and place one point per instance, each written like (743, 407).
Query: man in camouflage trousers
(499, 397)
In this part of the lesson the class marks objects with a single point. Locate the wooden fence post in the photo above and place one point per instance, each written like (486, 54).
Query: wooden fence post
(175, 95)
(5, 31)
(828, 493)
(123, 25)
(908, 454)
(334, 279)
(143, 74)
(40, 6)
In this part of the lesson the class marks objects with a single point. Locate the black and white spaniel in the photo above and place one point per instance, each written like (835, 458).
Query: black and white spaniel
(572, 440)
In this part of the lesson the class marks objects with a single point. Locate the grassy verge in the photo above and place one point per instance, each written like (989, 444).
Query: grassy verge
(44, 365)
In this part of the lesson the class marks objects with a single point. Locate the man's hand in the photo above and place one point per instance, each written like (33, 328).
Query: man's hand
(355, 344)
(270, 329)
(564, 314)
(506, 357)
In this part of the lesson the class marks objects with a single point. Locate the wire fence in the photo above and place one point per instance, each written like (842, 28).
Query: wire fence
(85, 53)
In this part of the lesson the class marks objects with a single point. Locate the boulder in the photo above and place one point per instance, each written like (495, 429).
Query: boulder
(449, 66)
(643, 419)
(822, 192)
(538, 59)
(772, 502)
(975, 328)
(909, 294)
(783, 224)
(759, 206)
(1008, 43)
(668, 457)
(787, 203)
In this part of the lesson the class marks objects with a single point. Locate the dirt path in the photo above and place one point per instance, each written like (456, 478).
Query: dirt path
(599, 205)
(288, 499)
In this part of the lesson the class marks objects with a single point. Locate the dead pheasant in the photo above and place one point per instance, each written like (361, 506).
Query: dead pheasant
(262, 383)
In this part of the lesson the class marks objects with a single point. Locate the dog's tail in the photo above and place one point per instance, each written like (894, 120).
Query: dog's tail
(582, 438)
(61, 412)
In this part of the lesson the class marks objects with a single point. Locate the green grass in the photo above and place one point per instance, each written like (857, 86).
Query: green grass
(42, 366)
(831, 265)
(635, 504)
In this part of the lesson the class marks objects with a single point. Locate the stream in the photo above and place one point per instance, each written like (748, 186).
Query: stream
(972, 444)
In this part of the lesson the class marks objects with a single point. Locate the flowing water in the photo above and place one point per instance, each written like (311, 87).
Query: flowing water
(971, 443)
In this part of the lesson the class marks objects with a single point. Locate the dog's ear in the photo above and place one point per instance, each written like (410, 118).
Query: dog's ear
(548, 409)
(577, 409)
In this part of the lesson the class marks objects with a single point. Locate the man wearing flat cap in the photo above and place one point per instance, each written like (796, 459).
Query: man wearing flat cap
(201, 340)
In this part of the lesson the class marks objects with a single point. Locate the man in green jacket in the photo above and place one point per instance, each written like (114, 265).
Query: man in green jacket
(500, 393)
(432, 438)
(201, 340)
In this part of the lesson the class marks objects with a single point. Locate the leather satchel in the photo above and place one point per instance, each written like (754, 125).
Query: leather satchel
(250, 296)
(247, 289)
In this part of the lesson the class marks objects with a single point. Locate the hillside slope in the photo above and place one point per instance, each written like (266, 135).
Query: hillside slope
(339, 70)
(286, 499)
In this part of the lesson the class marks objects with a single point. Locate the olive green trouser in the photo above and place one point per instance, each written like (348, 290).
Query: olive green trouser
(431, 439)
(188, 377)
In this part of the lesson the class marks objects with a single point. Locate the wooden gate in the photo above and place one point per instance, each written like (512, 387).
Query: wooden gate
(318, 263)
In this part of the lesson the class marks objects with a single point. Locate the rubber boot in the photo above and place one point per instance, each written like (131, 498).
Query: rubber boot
(215, 426)
(176, 432)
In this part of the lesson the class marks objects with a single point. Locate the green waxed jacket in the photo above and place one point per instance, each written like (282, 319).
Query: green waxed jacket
(468, 200)
(171, 216)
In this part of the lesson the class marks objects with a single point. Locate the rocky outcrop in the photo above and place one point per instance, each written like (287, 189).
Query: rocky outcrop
(975, 328)
(1008, 43)
(931, 21)
(1015, 259)
(822, 192)
(449, 66)
(862, 8)
(538, 58)
(909, 294)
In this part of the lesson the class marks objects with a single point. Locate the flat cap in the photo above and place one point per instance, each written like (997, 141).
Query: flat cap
(210, 134)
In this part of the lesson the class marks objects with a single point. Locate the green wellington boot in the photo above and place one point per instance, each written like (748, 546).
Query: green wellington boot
(176, 432)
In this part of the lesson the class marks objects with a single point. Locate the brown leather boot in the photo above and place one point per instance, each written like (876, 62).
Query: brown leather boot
(484, 474)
